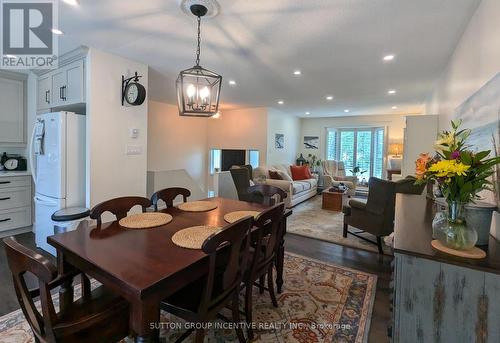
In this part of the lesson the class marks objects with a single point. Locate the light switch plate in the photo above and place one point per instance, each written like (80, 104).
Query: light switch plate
(134, 150)
(134, 133)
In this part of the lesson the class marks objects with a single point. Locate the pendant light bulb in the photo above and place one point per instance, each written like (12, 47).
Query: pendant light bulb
(190, 91)
(204, 94)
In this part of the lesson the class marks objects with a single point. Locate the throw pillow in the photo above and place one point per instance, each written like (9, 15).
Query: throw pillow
(284, 176)
(300, 173)
(275, 175)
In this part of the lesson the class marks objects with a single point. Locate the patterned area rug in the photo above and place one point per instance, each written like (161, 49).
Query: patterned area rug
(320, 303)
(310, 220)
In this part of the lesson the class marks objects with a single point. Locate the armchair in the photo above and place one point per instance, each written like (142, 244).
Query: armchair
(334, 174)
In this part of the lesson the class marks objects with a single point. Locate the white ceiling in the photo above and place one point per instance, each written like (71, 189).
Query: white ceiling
(337, 44)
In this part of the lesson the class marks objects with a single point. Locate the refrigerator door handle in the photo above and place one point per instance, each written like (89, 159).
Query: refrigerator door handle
(32, 155)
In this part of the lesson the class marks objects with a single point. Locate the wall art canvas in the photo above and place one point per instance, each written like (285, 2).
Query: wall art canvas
(311, 142)
(279, 141)
(481, 113)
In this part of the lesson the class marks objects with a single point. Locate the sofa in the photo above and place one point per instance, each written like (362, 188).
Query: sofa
(297, 191)
(334, 174)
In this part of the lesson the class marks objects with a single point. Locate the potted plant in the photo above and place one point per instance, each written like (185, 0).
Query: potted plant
(460, 174)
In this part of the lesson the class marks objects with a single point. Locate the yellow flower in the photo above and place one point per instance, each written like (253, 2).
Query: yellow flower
(449, 168)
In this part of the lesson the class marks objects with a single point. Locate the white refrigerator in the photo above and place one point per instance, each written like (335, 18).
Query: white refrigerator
(57, 158)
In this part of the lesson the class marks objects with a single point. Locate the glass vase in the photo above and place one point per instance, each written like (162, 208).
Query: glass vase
(450, 228)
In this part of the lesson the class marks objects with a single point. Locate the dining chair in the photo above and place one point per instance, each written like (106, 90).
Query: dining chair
(266, 194)
(168, 195)
(264, 246)
(119, 207)
(98, 316)
(202, 300)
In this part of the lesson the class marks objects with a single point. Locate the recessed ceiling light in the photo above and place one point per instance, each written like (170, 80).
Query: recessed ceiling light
(346, 110)
(72, 2)
(394, 107)
(57, 32)
(308, 113)
(389, 57)
(232, 82)
(329, 97)
(281, 102)
(391, 91)
(297, 72)
(10, 56)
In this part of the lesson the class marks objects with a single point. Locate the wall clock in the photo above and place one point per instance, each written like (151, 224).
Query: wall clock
(132, 91)
(11, 164)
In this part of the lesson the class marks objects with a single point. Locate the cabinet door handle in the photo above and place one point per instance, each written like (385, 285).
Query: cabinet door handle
(6, 198)
(47, 96)
(4, 220)
(63, 92)
(4, 182)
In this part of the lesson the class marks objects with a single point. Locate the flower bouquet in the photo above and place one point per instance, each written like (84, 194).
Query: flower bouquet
(460, 173)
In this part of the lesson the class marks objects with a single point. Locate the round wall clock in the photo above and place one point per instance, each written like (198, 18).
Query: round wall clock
(135, 93)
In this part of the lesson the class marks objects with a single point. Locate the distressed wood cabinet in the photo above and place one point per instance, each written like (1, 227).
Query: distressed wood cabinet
(437, 297)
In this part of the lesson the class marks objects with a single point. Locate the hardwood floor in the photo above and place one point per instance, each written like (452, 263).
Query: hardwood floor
(320, 250)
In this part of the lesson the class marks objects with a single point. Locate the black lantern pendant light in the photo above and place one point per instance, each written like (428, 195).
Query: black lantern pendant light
(198, 89)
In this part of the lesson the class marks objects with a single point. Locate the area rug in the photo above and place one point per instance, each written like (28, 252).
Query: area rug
(310, 220)
(320, 303)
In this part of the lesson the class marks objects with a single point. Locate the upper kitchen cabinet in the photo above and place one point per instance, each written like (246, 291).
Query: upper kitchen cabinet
(62, 87)
(13, 108)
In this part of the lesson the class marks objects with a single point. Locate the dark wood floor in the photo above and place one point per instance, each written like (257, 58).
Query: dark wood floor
(320, 250)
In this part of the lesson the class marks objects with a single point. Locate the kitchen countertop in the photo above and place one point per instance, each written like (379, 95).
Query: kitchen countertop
(4, 173)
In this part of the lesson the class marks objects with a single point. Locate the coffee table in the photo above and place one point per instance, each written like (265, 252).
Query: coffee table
(333, 201)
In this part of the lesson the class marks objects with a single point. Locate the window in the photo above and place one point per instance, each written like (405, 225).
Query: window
(215, 160)
(253, 158)
(363, 147)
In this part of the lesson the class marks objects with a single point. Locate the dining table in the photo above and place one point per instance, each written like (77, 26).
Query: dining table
(144, 266)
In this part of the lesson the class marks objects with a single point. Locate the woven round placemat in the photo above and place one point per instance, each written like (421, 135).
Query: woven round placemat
(145, 220)
(197, 206)
(193, 237)
(474, 253)
(232, 217)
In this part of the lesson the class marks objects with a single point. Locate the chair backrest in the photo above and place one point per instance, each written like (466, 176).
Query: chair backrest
(119, 207)
(267, 194)
(247, 167)
(267, 235)
(22, 260)
(333, 168)
(231, 243)
(241, 180)
(382, 199)
(168, 195)
(408, 186)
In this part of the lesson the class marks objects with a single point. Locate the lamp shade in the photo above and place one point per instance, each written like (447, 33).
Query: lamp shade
(395, 149)
(198, 92)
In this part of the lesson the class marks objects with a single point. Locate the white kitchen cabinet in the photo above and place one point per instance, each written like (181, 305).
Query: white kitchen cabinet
(44, 92)
(66, 86)
(15, 202)
(13, 108)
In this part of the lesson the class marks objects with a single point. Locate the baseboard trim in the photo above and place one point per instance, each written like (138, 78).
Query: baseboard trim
(14, 232)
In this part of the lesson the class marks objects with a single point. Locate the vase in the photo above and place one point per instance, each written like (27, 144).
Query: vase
(495, 225)
(450, 228)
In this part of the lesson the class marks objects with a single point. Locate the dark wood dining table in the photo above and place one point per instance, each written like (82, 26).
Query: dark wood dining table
(144, 266)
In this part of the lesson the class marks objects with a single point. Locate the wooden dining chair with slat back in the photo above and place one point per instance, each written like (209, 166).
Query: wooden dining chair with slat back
(119, 207)
(264, 246)
(168, 195)
(266, 194)
(201, 301)
(98, 316)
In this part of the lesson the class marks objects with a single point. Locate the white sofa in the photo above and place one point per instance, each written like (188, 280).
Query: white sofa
(297, 191)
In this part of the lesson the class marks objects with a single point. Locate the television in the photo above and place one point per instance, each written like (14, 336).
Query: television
(230, 157)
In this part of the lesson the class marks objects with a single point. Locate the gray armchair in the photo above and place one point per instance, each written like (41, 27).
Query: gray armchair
(376, 216)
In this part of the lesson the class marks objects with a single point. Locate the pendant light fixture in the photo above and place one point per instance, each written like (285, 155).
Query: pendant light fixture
(198, 89)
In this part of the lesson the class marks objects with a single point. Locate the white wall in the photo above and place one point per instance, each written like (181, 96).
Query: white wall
(318, 126)
(110, 172)
(176, 142)
(475, 61)
(289, 125)
(240, 129)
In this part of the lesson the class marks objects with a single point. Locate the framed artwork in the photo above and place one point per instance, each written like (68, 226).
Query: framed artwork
(311, 142)
(279, 141)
